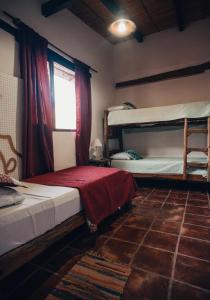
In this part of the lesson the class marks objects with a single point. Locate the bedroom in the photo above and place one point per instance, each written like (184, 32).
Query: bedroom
(173, 274)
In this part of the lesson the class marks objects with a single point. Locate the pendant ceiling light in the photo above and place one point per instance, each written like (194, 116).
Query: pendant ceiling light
(122, 27)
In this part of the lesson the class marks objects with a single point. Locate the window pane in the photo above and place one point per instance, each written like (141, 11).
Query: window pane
(65, 99)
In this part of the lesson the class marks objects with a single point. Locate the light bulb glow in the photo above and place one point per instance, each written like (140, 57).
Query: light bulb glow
(122, 27)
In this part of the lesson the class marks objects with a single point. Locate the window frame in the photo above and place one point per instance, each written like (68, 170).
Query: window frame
(54, 57)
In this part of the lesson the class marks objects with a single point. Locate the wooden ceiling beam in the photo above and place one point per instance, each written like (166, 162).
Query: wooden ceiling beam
(116, 10)
(51, 7)
(179, 14)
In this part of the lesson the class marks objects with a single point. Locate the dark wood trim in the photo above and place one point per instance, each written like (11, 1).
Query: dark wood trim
(112, 6)
(8, 28)
(14, 259)
(106, 134)
(179, 14)
(55, 57)
(170, 176)
(173, 123)
(51, 7)
(64, 130)
(188, 71)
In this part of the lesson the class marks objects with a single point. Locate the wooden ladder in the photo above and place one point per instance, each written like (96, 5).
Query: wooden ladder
(206, 150)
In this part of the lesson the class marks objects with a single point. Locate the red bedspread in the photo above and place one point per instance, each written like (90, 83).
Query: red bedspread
(102, 190)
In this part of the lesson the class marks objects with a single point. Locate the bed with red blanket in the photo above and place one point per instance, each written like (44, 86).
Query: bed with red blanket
(102, 190)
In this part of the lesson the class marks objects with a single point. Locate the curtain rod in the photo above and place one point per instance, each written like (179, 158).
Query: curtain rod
(51, 44)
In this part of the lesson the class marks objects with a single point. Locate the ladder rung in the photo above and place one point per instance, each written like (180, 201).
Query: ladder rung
(197, 165)
(204, 150)
(197, 130)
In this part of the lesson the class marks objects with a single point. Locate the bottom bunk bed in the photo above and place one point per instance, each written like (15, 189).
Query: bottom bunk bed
(161, 167)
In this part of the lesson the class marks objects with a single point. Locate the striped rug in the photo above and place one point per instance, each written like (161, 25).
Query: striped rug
(92, 278)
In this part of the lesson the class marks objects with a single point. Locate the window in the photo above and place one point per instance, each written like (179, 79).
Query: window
(62, 80)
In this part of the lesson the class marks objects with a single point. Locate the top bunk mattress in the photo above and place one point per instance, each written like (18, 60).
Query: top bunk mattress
(43, 208)
(160, 114)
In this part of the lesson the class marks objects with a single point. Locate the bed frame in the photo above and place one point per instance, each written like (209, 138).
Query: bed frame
(14, 259)
(116, 132)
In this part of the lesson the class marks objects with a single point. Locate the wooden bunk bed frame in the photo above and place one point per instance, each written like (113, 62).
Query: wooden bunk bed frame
(116, 132)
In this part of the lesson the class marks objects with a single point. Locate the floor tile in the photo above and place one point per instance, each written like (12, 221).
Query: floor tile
(164, 226)
(198, 210)
(121, 218)
(145, 211)
(155, 199)
(194, 248)
(136, 201)
(193, 271)
(109, 229)
(144, 285)
(198, 197)
(176, 201)
(154, 260)
(184, 292)
(171, 207)
(160, 194)
(161, 240)
(171, 213)
(194, 231)
(118, 251)
(150, 204)
(197, 220)
(139, 221)
(180, 195)
(130, 234)
(198, 203)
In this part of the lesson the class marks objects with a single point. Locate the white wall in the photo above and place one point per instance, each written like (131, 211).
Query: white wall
(74, 37)
(161, 52)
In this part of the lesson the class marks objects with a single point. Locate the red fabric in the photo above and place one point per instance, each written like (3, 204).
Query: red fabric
(37, 108)
(83, 112)
(102, 190)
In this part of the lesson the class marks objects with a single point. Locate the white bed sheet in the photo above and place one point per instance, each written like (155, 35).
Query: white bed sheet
(161, 113)
(158, 165)
(44, 207)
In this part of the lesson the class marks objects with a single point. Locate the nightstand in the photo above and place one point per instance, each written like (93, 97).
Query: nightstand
(104, 162)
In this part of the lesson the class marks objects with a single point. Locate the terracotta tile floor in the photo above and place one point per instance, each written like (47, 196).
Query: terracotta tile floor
(164, 238)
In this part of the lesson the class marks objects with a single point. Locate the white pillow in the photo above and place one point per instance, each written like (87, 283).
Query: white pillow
(121, 155)
(10, 197)
(119, 107)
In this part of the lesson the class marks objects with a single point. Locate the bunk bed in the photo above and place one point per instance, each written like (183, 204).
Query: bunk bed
(187, 116)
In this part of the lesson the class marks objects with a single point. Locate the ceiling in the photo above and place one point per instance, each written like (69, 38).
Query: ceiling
(149, 15)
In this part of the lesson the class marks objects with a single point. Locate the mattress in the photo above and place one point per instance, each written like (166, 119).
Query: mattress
(158, 165)
(44, 207)
(158, 114)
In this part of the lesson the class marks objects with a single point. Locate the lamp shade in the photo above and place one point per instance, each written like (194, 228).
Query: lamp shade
(122, 27)
(96, 143)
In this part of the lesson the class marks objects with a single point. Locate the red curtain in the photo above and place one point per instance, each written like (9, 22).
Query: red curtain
(37, 108)
(83, 112)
